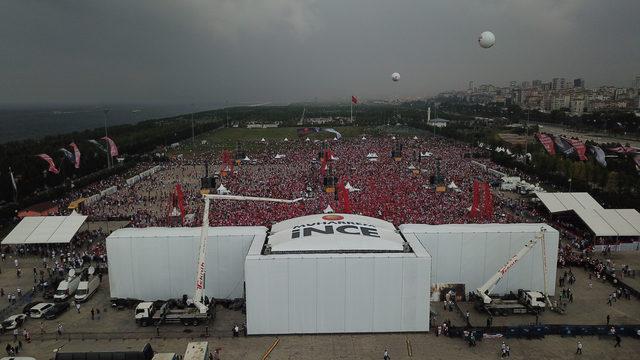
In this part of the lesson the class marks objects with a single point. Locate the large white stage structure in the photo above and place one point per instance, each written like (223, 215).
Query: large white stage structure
(336, 273)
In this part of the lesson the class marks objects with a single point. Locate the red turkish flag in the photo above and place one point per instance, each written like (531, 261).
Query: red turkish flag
(354, 99)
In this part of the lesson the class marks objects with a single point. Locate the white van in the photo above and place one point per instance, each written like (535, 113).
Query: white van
(67, 287)
(88, 286)
(38, 311)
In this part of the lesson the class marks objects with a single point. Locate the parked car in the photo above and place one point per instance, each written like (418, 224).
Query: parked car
(57, 309)
(38, 311)
(13, 322)
(27, 308)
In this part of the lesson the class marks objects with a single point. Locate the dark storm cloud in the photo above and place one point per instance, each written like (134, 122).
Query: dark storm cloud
(288, 50)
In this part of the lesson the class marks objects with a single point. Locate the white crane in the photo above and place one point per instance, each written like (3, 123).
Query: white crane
(198, 298)
(486, 289)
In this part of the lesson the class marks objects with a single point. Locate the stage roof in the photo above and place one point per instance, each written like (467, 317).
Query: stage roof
(601, 221)
(45, 230)
(334, 233)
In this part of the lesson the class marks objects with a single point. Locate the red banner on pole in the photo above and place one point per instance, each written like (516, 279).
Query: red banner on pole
(547, 142)
(52, 165)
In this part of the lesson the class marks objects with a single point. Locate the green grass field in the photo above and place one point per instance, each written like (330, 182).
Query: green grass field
(228, 137)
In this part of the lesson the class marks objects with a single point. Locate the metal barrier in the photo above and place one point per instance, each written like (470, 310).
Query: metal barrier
(540, 331)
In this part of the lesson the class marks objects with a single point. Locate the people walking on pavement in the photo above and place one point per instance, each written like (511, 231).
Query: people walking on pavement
(579, 348)
(92, 313)
(386, 356)
(618, 340)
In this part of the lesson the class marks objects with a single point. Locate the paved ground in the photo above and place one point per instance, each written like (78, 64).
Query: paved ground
(423, 346)
(116, 330)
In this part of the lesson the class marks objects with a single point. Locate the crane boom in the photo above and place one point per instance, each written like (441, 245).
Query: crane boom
(488, 287)
(199, 295)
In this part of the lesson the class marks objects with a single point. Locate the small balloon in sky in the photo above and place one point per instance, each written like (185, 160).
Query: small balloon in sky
(395, 76)
(487, 39)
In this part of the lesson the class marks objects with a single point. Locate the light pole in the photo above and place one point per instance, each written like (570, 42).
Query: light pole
(106, 115)
(193, 131)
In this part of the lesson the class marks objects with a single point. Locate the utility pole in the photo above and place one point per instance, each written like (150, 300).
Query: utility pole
(106, 134)
(193, 131)
(526, 135)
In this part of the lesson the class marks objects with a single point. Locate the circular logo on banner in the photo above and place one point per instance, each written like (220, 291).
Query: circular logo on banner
(333, 217)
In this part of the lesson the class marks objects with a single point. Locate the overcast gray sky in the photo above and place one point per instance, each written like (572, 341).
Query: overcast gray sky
(126, 51)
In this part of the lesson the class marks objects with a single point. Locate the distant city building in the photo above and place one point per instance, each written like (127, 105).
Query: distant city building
(637, 82)
(578, 83)
(470, 85)
(555, 84)
(525, 85)
(513, 84)
(536, 83)
(577, 107)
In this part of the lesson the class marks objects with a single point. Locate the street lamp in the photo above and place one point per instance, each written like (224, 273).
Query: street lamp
(193, 131)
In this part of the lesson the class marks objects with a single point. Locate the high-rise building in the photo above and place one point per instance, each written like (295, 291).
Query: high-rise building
(563, 83)
(536, 83)
(513, 84)
(637, 82)
(470, 85)
(578, 83)
(524, 85)
(555, 84)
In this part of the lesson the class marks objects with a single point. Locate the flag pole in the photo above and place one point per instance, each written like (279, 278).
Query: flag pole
(351, 103)
(15, 187)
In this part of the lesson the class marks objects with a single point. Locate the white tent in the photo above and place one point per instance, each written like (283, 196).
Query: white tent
(372, 156)
(415, 138)
(393, 138)
(222, 190)
(280, 156)
(350, 187)
(334, 157)
(425, 154)
(328, 210)
(262, 140)
(307, 139)
(246, 158)
(453, 186)
(335, 139)
(286, 139)
(364, 138)
(45, 230)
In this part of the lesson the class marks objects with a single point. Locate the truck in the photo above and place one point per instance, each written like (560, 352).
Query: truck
(67, 288)
(164, 312)
(526, 301)
(196, 310)
(150, 313)
(89, 284)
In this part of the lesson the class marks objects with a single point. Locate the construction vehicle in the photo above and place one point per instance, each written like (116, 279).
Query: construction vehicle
(198, 309)
(147, 313)
(526, 301)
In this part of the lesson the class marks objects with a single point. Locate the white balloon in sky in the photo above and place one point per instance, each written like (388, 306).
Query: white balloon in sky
(487, 39)
(395, 76)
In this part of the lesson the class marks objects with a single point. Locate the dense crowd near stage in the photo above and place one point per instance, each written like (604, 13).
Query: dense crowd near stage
(387, 189)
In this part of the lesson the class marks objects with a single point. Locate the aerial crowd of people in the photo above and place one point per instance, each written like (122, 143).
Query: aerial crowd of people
(385, 188)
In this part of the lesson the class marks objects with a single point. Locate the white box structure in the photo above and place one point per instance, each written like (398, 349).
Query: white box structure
(160, 263)
(467, 255)
(336, 273)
